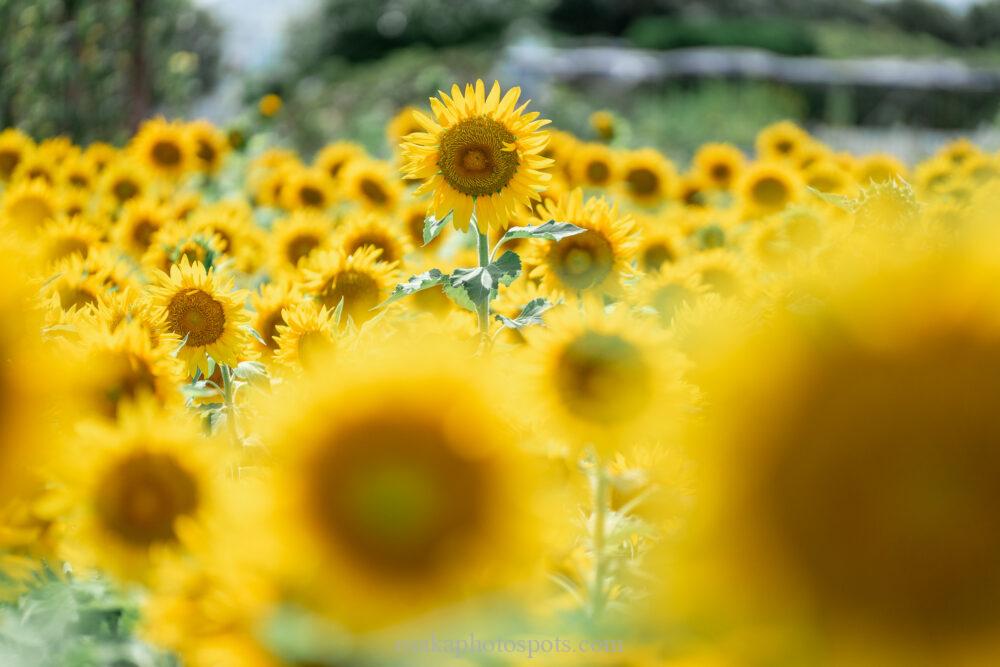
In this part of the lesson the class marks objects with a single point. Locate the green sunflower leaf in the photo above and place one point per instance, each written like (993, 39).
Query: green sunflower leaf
(256, 334)
(433, 226)
(415, 284)
(506, 269)
(338, 312)
(551, 231)
(482, 282)
(530, 315)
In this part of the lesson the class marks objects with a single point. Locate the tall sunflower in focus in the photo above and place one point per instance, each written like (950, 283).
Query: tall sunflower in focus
(479, 152)
(205, 312)
(388, 497)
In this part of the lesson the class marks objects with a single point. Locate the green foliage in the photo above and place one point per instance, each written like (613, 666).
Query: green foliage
(531, 314)
(92, 70)
(550, 231)
(785, 37)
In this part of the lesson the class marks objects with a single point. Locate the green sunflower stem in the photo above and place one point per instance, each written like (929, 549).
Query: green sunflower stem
(599, 516)
(483, 243)
(229, 400)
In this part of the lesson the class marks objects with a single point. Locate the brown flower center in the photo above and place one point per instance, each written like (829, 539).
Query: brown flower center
(194, 314)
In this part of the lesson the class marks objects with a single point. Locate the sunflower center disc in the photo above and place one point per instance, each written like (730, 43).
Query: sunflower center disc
(166, 153)
(472, 158)
(195, 314)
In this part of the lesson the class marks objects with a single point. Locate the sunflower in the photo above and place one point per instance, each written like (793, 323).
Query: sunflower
(123, 180)
(958, 152)
(721, 164)
(594, 261)
(768, 187)
(372, 231)
(233, 223)
(335, 157)
(74, 285)
(139, 221)
(296, 237)
(177, 241)
(28, 205)
(36, 166)
(371, 183)
(594, 166)
(479, 152)
(693, 190)
(268, 304)
(560, 149)
(828, 177)
(165, 148)
(360, 280)
(879, 168)
(721, 271)
(14, 147)
(768, 244)
(210, 145)
(381, 488)
(99, 155)
(309, 332)
(118, 367)
(57, 149)
(607, 379)
(890, 207)
(308, 189)
(413, 216)
(144, 484)
(205, 312)
(402, 125)
(855, 488)
(661, 245)
(128, 306)
(667, 291)
(648, 177)
(65, 236)
(77, 173)
(782, 141)
(603, 123)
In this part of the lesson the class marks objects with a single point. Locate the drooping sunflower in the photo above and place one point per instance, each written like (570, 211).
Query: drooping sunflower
(372, 231)
(372, 184)
(210, 145)
(144, 484)
(165, 148)
(335, 157)
(205, 311)
(14, 146)
(296, 237)
(379, 487)
(308, 333)
(479, 152)
(606, 379)
(594, 165)
(595, 261)
(768, 187)
(721, 164)
(308, 189)
(847, 484)
(28, 205)
(648, 177)
(360, 280)
(138, 222)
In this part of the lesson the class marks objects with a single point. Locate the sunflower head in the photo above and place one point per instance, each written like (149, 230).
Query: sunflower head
(372, 185)
(166, 148)
(297, 237)
(360, 280)
(26, 206)
(479, 151)
(14, 147)
(210, 145)
(648, 177)
(768, 187)
(721, 164)
(335, 157)
(372, 231)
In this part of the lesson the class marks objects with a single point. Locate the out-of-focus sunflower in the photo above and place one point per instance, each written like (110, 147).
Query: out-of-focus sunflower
(958, 151)
(99, 155)
(372, 231)
(308, 333)
(65, 236)
(74, 283)
(28, 205)
(879, 168)
(479, 151)
(829, 178)
(232, 221)
(36, 166)
(413, 216)
(205, 311)
(768, 187)
(387, 496)
(14, 146)
(306, 188)
(782, 141)
(361, 280)
(268, 304)
(124, 180)
(721, 271)
(661, 244)
(178, 241)
(668, 290)
(865, 512)
(606, 379)
(693, 191)
(296, 237)
(137, 224)
(72, 203)
(142, 487)
(403, 124)
(165, 148)
(721, 164)
(270, 104)
(604, 124)
(127, 307)
(210, 145)
(594, 166)
(372, 184)
(333, 158)
(594, 261)
(77, 173)
(647, 176)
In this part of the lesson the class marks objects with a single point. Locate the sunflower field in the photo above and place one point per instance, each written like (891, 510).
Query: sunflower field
(510, 397)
